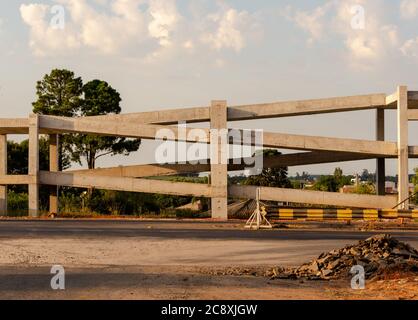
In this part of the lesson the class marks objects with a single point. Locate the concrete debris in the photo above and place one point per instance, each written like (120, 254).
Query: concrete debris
(377, 255)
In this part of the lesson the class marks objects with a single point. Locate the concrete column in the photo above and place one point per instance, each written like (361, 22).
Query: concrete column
(53, 167)
(3, 171)
(34, 165)
(380, 162)
(403, 178)
(218, 167)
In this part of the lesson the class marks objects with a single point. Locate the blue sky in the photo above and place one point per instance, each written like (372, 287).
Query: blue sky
(166, 54)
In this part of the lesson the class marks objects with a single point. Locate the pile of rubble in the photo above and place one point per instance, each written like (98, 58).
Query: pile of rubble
(378, 254)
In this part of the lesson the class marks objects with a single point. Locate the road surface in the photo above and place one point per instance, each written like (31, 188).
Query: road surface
(158, 259)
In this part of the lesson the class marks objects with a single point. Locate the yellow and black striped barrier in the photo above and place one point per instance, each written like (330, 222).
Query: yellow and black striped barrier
(337, 214)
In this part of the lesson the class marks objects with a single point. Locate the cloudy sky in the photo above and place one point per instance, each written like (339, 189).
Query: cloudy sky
(178, 53)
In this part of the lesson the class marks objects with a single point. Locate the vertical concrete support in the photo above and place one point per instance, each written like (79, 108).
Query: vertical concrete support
(218, 157)
(3, 171)
(53, 167)
(380, 162)
(34, 165)
(403, 178)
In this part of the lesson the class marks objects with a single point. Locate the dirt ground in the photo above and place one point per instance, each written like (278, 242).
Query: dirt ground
(173, 260)
(179, 283)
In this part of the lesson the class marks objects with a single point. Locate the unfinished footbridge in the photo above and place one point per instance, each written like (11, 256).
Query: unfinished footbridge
(147, 125)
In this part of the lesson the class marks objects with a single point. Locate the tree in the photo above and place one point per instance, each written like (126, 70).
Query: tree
(415, 182)
(59, 94)
(271, 177)
(338, 173)
(17, 156)
(100, 99)
(326, 183)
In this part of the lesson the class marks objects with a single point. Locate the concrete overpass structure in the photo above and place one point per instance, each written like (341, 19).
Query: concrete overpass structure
(145, 125)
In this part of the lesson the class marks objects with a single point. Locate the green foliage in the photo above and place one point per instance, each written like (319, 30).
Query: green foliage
(270, 177)
(59, 94)
(62, 94)
(326, 183)
(100, 99)
(17, 156)
(17, 203)
(332, 183)
(365, 188)
(415, 182)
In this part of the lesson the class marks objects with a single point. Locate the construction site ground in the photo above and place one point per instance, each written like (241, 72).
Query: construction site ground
(187, 259)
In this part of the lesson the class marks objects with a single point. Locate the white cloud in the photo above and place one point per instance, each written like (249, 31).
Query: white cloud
(228, 29)
(335, 20)
(164, 19)
(312, 22)
(43, 37)
(409, 9)
(150, 28)
(410, 48)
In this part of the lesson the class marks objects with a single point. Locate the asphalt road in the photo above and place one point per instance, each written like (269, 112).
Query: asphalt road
(157, 260)
(14, 229)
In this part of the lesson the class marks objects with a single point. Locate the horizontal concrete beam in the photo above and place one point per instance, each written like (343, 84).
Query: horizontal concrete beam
(257, 111)
(314, 197)
(284, 160)
(124, 184)
(306, 107)
(16, 179)
(166, 117)
(413, 115)
(302, 142)
(50, 125)
(14, 126)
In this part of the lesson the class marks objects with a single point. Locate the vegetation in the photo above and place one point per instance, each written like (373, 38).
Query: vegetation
(62, 94)
(270, 177)
(332, 183)
(415, 182)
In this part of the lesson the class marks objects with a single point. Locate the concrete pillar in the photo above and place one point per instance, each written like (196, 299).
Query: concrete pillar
(403, 178)
(218, 156)
(34, 165)
(380, 162)
(3, 171)
(53, 167)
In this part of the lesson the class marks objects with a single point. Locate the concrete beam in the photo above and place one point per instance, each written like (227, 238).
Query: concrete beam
(53, 167)
(257, 111)
(380, 162)
(300, 142)
(3, 171)
(124, 184)
(51, 124)
(284, 160)
(306, 107)
(34, 165)
(163, 117)
(14, 126)
(413, 115)
(276, 140)
(17, 179)
(219, 156)
(403, 152)
(392, 99)
(313, 197)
